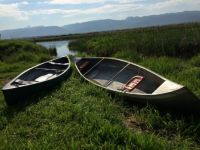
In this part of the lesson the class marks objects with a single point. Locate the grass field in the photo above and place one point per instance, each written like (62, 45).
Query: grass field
(78, 115)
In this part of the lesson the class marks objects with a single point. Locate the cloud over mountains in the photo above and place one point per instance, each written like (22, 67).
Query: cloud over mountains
(104, 25)
(17, 13)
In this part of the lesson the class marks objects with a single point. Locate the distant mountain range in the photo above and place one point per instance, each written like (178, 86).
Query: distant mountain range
(104, 25)
(32, 32)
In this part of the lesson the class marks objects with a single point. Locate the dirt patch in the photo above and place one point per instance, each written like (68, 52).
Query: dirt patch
(5, 81)
(132, 123)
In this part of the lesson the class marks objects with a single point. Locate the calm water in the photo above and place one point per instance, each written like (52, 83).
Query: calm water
(61, 47)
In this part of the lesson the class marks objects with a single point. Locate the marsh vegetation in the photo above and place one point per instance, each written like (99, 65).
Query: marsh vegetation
(78, 115)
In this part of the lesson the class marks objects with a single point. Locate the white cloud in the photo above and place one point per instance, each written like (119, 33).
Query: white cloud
(112, 11)
(76, 1)
(120, 10)
(53, 11)
(24, 3)
(12, 11)
(105, 9)
(171, 6)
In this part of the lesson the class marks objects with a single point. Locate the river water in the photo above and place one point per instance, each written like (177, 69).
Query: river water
(62, 48)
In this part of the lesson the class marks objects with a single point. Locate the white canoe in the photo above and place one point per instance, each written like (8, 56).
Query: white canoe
(135, 82)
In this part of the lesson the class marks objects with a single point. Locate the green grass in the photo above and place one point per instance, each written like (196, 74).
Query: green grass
(78, 115)
(174, 41)
(173, 52)
(88, 118)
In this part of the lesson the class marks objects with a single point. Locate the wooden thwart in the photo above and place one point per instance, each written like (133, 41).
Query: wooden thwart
(94, 66)
(111, 80)
(48, 69)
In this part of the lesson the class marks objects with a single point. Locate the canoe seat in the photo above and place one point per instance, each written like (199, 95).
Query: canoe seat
(133, 83)
(47, 69)
(23, 82)
(45, 77)
(83, 65)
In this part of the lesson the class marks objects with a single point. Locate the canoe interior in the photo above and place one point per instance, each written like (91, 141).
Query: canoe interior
(43, 72)
(115, 74)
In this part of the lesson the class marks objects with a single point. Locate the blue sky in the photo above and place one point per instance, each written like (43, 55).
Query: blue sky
(24, 13)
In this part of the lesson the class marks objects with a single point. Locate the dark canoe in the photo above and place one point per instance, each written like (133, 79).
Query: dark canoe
(37, 79)
(135, 83)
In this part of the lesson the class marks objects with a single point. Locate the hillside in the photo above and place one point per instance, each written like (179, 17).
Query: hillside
(32, 32)
(134, 22)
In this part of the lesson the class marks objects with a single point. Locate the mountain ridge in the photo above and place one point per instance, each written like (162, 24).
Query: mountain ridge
(104, 25)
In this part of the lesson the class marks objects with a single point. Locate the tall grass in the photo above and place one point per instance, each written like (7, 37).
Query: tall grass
(15, 51)
(176, 41)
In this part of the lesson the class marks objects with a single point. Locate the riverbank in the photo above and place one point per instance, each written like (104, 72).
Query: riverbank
(61, 47)
(78, 115)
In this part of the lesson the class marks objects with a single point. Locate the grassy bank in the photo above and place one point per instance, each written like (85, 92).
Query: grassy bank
(78, 115)
(173, 41)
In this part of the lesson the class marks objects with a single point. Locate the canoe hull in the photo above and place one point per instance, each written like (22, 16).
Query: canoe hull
(182, 99)
(17, 95)
(21, 94)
